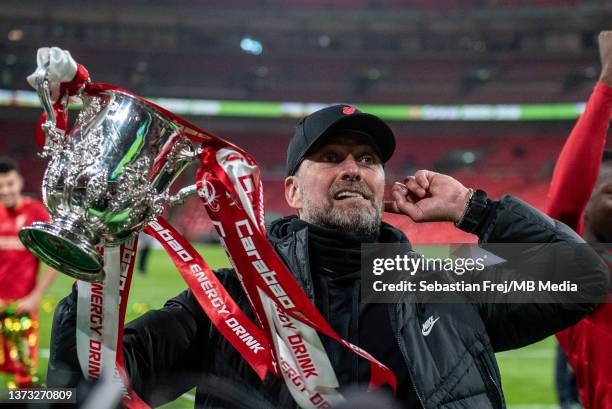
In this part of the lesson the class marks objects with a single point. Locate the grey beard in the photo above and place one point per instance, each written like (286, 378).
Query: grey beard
(351, 220)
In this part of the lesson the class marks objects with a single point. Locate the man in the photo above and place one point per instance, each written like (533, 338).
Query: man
(18, 267)
(335, 182)
(581, 196)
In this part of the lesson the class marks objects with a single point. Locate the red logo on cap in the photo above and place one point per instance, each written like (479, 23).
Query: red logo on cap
(348, 110)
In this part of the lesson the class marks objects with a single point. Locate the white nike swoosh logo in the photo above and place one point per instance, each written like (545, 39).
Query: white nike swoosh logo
(428, 325)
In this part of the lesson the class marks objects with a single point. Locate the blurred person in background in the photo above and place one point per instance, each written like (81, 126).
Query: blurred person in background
(21, 290)
(581, 196)
(145, 244)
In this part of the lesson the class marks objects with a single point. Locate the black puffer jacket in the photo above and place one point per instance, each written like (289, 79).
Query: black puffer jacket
(172, 350)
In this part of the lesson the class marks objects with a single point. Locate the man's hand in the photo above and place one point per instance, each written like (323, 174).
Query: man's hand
(429, 197)
(60, 67)
(605, 53)
(28, 304)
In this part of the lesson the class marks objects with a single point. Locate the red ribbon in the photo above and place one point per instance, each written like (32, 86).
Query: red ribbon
(131, 400)
(214, 299)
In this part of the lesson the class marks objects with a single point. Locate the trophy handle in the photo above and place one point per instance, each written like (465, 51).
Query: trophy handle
(188, 156)
(44, 94)
(55, 136)
(181, 195)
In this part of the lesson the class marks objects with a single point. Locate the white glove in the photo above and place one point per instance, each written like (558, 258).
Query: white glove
(60, 67)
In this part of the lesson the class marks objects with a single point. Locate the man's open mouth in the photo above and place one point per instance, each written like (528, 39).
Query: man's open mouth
(349, 194)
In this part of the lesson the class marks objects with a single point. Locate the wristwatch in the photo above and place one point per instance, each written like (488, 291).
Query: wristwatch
(473, 212)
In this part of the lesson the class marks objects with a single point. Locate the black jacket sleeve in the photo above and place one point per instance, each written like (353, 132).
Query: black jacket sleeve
(511, 324)
(162, 349)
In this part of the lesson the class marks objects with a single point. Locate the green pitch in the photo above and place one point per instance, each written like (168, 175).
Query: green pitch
(527, 373)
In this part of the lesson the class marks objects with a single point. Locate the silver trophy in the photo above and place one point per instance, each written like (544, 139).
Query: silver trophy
(106, 179)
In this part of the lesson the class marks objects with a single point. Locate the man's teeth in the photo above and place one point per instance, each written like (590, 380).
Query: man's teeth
(344, 195)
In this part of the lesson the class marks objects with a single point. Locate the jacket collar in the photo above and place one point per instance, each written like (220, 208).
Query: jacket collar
(292, 246)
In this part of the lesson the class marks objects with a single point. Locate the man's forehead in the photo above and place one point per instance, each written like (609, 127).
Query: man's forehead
(349, 138)
(9, 175)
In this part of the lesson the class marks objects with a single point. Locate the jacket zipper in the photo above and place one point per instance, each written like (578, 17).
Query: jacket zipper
(499, 399)
(399, 345)
(293, 239)
(497, 390)
(302, 279)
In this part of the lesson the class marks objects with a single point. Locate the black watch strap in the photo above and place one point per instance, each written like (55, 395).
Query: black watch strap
(474, 211)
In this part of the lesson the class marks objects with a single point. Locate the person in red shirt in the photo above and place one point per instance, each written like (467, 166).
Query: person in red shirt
(20, 290)
(580, 196)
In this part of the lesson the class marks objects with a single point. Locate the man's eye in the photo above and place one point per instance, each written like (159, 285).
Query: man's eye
(367, 159)
(330, 157)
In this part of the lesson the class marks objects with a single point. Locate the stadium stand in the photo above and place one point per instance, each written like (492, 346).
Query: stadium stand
(418, 52)
(520, 164)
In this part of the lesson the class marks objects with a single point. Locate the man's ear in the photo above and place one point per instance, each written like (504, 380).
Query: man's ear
(292, 193)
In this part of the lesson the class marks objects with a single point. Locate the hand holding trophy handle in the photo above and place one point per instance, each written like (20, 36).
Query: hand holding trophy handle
(55, 79)
(109, 175)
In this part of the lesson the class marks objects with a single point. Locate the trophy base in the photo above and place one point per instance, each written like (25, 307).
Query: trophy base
(63, 249)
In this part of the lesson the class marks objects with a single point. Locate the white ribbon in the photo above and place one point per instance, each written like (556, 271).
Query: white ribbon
(303, 361)
(98, 319)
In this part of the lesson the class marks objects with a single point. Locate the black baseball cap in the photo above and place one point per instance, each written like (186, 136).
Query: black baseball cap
(315, 128)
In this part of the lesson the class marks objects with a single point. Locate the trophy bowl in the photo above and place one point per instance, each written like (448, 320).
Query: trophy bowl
(107, 178)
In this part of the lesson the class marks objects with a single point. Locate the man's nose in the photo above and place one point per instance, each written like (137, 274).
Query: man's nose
(350, 169)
